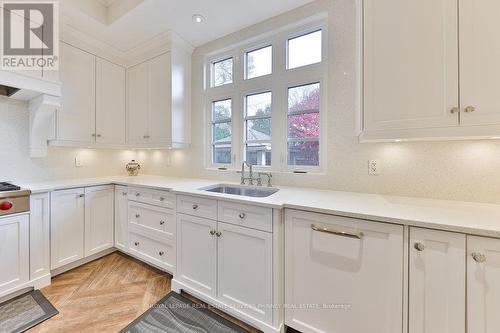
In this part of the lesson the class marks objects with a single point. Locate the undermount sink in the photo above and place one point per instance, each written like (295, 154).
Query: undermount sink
(246, 191)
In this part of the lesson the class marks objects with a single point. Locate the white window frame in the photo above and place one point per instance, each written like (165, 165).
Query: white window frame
(278, 83)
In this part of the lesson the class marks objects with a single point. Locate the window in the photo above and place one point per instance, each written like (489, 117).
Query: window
(221, 131)
(259, 62)
(258, 129)
(223, 72)
(304, 125)
(304, 50)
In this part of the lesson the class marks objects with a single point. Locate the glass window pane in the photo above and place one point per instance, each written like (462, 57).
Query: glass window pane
(222, 133)
(303, 153)
(259, 154)
(259, 129)
(304, 98)
(304, 126)
(222, 154)
(304, 50)
(259, 104)
(222, 110)
(223, 72)
(259, 62)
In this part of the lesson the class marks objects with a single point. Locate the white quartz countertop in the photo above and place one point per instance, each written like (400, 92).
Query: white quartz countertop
(465, 217)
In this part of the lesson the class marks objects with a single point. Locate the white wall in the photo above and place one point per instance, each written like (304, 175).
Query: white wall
(17, 166)
(462, 170)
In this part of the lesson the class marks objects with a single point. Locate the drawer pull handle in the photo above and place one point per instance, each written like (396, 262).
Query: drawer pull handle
(195, 207)
(81, 195)
(162, 222)
(162, 199)
(419, 247)
(136, 243)
(161, 253)
(137, 215)
(479, 257)
(218, 233)
(213, 232)
(242, 215)
(124, 193)
(359, 235)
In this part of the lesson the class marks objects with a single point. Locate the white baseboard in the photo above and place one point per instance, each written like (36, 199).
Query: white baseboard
(37, 283)
(81, 262)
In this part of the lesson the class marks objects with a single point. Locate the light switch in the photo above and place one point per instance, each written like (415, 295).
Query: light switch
(78, 161)
(373, 168)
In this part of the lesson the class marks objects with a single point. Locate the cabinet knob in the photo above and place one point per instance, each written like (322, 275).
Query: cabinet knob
(162, 199)
(218, 233)
(146, 136)
(137, 194)
(161, 253)
(213, 232)
(162, 222)
(242, 215)
(99, 135)
(470, 109)
(124, 193)
(195, 207)
(81, 195)
(419, 247)
(93, 135)
(136, 243)
(479, 257)
(137, 215)
(455, 110)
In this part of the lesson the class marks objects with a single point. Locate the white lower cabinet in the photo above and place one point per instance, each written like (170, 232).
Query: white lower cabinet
(39, 235)
(121, 218)
(436, 282)
(67, 226)
(153, 251)
(343, 274)
(14, 252)
(197, 253)
(99, 219)
(483, 285)
(245, 270)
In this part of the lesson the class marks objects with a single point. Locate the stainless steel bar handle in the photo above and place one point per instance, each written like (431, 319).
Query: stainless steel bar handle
(358, 235)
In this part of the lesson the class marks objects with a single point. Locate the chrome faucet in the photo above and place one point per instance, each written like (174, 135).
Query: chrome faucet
(243, 178)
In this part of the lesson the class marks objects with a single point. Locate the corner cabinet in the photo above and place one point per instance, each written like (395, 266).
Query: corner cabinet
(411, 70)
(99, 219)
(158, 102)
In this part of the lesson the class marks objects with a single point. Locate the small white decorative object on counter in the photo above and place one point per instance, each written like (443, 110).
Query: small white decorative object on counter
(133, 168)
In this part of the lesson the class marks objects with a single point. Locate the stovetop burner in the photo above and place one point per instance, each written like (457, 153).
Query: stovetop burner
(4, 187)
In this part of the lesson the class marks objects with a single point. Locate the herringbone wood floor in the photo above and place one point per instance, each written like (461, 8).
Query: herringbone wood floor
(104, 295)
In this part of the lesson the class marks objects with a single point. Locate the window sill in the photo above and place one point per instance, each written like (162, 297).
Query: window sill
(274, 172)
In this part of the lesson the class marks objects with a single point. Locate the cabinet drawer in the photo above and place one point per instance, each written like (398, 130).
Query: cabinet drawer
(152, 251)
(201, 207)
(153, 197)
(254, 217)
(153, 218)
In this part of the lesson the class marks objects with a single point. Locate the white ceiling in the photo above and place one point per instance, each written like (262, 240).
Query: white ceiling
(153, 17)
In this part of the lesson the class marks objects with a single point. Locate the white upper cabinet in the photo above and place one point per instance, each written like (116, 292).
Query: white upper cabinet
(160, 100)
(76, 117)
(138, 104)
(437, 282)
(110, 103)
(479, 61)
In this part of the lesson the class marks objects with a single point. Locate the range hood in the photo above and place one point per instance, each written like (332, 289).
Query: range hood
(43, 99)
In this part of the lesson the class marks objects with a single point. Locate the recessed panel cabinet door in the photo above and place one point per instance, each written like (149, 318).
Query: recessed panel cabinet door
(14, 251)
(67, 226)
(197, 253)
(410, 64)
(99, 219)
(437, 282)
(138, 104)
(110, 103)
(342, 275)
(483, 285)
(160, 91)
(479, 61)
(121, 218)
(39, 235)
(76, 117)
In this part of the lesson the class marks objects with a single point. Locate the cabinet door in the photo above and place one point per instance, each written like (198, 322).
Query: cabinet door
(197, 251)
(76, 118)
(483, 285)
(14, 254)
(479, 65)
(160, 91)
(99, 219)
(121, 218)
(138, 104)
(244, 274)
(410, 64)
(66, 226)
(358, 283)
(437, 282)
(110, 103)
(39, 235)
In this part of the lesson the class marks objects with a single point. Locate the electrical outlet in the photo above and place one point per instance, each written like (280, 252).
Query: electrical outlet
(373, 168)
(78, 162)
